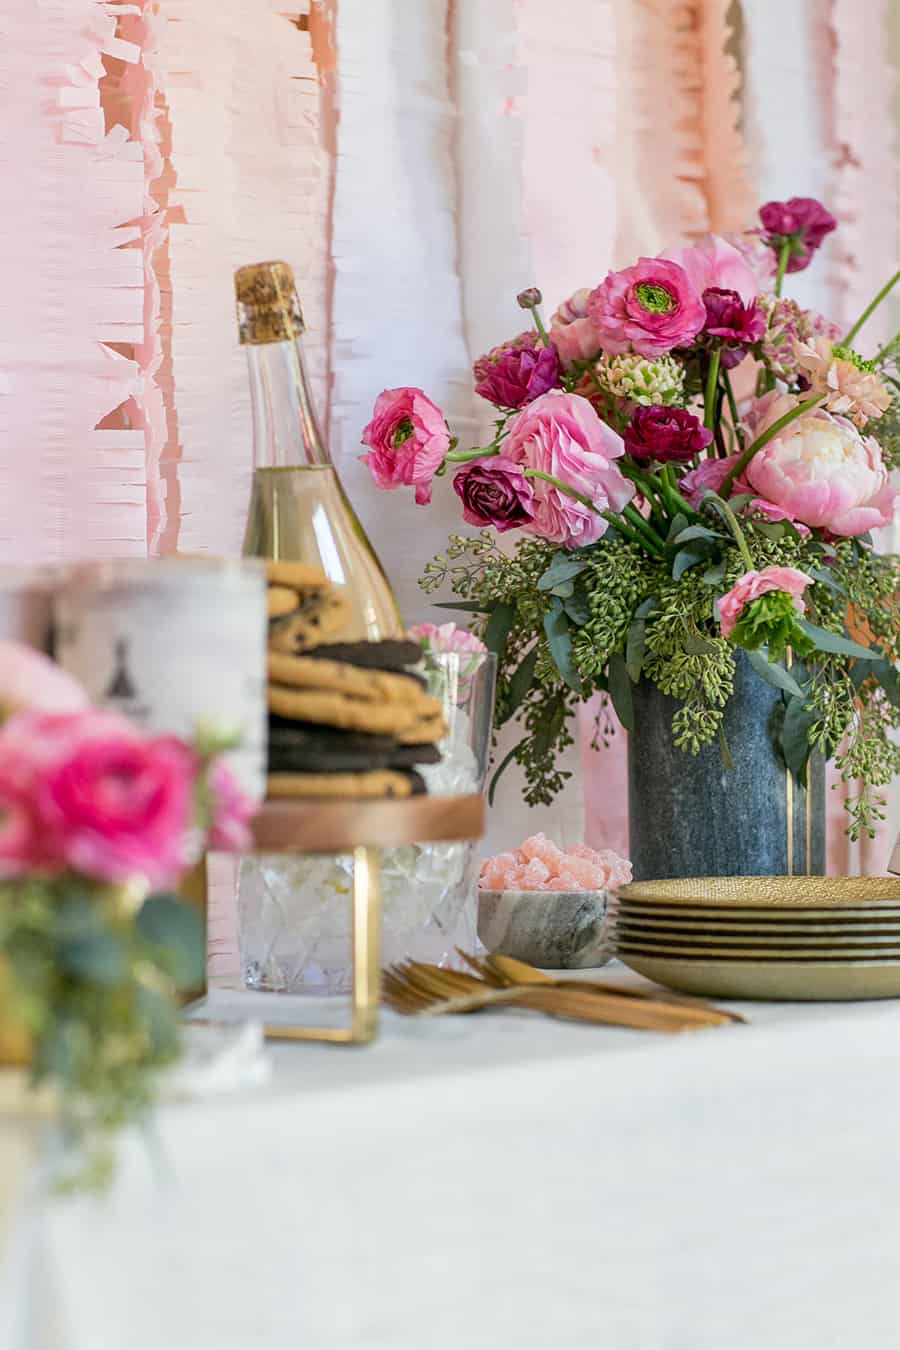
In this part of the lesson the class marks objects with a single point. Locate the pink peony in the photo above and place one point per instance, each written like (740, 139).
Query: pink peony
(561, 435)
(803, 220)
(710, 474)
(119, 807)
(495, 492)
(28, 679)
(231, 810)
(649, 308)
(573, 331)
(408, 439)
(752, 585)
(715, 263)
(821, 470)
(446, 637)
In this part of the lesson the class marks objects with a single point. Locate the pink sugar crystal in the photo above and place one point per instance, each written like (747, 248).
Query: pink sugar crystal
(590, 876)
(585, 851)
(534, 874)
(540, 865)
(539, 846)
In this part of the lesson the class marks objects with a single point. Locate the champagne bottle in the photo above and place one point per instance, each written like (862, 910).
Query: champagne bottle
(298, 508)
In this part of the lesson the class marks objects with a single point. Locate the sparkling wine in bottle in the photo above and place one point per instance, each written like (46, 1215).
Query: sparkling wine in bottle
(298, 508)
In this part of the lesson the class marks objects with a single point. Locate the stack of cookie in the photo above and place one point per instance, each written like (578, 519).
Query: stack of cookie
(346, 719)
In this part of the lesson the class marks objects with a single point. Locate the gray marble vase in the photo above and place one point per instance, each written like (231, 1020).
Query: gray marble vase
(691, 816)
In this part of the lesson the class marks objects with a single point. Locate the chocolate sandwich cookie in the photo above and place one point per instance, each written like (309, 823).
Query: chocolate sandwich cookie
(298, 748)
(378, 783)
(394, 654)
(321, 612)
(373, 686)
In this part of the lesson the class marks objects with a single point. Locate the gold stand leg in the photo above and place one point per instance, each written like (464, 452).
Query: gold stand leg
(366, 962)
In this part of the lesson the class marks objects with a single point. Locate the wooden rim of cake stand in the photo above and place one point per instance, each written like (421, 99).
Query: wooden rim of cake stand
(283, 826)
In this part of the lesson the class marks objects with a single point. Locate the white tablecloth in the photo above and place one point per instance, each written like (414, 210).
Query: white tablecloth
(497, 1182)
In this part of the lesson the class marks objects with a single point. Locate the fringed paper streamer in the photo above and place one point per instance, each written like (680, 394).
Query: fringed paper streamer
(244, 177)
(72, 465)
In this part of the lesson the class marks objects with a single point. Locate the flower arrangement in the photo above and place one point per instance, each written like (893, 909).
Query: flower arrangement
(97, 823)
(694, 463)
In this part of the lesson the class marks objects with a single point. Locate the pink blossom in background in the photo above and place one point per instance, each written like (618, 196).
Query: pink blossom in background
(572, 330)
(407, 439)
(649, 308)
(802, 219)
(821, 471)
(757, 256)
(446, 637)
(28, 679)
(753, 584)
(22, 843)
(231, 810)
(715, 263)
(561, 435)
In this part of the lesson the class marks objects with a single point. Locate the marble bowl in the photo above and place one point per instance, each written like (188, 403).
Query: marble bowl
(556, 930)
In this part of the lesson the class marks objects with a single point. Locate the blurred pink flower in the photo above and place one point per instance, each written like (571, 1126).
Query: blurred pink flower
(561, 435)
(752, 585)
(445, 637)
(820, 470)
(572, 330)
(852, 386)
(28, 679)
(407, 439)
(803, 220)
(757, 256)
(231, 810)
(715, 263)
(22, 840)
(649, 308)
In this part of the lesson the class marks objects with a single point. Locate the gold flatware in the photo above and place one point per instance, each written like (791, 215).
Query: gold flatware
(418, 988)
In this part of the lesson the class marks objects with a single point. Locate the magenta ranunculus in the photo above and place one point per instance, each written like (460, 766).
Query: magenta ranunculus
(573, 332)
(803, 220)
(514, 376)
(668, 435)
(822, 471)
(714, 262)
(495, 492)
(120, 808)
(231, 810)
(561, 435)
(752, 585)
(736, 325)
(407, 439)
(649, 308)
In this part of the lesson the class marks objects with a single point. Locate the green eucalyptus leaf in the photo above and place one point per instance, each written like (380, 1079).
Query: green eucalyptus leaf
(888, 677)
(620, 690)
(577, 608)
(466, 606)
(646, 607)
(837, 645)
(679, 522)
(798, 719)
(500, 770)
(559, 640)
(177, 931)
(687, 558)
(520, 681)
(498, 628)
(97, 959)
(714, 576)
(696, 532)
(770, 529)
(825, 578)
(775, 675)
(563, 567)
(547, 734)
(698, 646)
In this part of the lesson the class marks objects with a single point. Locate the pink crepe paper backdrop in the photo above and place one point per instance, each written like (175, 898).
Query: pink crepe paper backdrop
(417, 164)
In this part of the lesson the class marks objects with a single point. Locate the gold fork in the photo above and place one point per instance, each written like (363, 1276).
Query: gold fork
(415, 987)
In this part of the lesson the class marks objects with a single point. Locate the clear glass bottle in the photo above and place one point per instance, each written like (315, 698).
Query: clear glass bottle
(298, 508)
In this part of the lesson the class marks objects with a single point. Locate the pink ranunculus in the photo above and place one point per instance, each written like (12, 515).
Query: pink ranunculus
(561, 435)
(407, 439)
(667, 435)
(736, 326)
(753, 584)
(495, 492)
(231, 810)
(118, 808)
(803, 220)
(714, 263)
(518, 375)
(572, 330)
(649, 308)
(28, 679)
(822, 471)
(446, 637)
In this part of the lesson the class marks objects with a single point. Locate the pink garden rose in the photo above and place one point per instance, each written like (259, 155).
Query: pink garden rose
(22, 843)
(572, 330)
(649, 308)
(28, 679)
(714, 263)
(820, 470)
(495, 492)
(407, 439)
(561, 435)
(752, 585)
(446, 637)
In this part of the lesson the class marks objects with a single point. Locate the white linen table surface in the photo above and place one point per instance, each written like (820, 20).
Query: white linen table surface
(497, 1182)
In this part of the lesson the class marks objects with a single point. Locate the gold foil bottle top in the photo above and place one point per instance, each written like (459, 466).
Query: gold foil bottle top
(268, 305)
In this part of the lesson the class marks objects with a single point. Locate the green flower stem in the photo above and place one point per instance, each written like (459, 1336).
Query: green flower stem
(732, 405)
(712, 380)
(650, 486)
(739, 537)
(627, 533)
(643, 527)
(676, 503)
(463, 456)
(563, 487)
(539, 325)
(738, 468)
(784, 254)
(871, 307)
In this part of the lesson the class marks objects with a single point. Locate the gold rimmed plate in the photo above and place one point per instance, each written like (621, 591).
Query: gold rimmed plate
(772, 894)
(696, 952)
(714, 922)
(681, 937)
(803, 981)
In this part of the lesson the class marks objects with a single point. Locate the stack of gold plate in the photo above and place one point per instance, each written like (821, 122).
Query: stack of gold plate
(764, 937)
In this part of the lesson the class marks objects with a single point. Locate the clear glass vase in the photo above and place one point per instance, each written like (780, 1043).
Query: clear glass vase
(294, 913)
